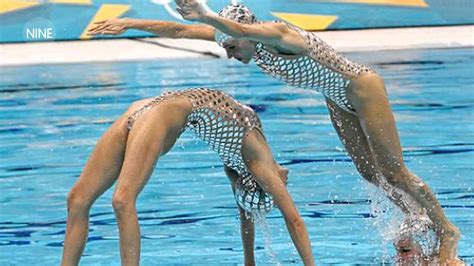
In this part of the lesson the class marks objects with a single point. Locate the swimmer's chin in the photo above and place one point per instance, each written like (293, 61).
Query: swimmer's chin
(245, 62)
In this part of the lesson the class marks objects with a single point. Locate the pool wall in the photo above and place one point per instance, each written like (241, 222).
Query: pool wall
(70, 19)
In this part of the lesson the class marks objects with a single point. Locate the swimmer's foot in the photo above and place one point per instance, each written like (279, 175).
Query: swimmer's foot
(448, 246)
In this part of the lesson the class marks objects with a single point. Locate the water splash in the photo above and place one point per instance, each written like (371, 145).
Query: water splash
(421, 229)
(262, 224)
(386, 219)
(393, 225)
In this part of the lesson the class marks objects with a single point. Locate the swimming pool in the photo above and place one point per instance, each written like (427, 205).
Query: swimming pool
(52, 115)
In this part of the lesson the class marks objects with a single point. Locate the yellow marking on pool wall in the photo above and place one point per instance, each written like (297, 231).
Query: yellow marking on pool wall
(412, 3)
(72, 2)
(7, 6)
(306, 21)
(106, 11)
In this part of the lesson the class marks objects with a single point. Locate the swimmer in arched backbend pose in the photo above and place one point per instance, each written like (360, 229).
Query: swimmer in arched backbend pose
(130, 148)
(355, 94)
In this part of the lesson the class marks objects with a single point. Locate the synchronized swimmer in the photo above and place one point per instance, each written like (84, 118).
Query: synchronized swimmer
(355, 95)
(129, 149)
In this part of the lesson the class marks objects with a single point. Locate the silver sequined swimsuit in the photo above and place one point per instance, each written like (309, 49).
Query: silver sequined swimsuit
(322, 69)
(222, 123)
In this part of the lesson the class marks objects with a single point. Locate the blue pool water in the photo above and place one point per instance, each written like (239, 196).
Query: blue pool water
(52, 115)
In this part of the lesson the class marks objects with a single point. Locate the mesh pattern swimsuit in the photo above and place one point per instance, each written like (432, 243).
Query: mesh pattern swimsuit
(322, 68)
(222, 123)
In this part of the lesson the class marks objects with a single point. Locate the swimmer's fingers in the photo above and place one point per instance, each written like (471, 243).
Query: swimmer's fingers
(182, 12)
(104, 32)
(101, 24)
(98, 28)
(96, 32)
(98, 24)
(190, 9)
(116, 24)
(112, 30)
(116, 30)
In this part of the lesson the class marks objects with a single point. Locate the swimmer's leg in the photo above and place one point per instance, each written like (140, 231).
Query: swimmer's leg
(152, 135)
(352, 136)
(369, 98)
(99, 173)
(247, 227)
(348, 128)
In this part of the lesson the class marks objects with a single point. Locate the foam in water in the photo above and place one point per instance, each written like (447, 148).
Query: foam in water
(386, 219)
(392, 224)
(261, 223)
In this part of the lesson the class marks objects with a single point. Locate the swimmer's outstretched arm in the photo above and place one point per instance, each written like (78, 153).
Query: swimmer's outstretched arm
(270, 33)
(247, 228)
(262, 166)
(168, 29)
(272, 184)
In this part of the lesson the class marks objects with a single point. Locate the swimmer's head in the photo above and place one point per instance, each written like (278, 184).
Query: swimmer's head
(409, 252)
(416, 241)
(240, 49)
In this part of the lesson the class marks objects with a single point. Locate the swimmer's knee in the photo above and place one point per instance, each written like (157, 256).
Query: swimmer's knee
(367, 87)
(370, 177)
(401, 177)
(393, 175)
(369, 172)
(77, 202)
(123, 204)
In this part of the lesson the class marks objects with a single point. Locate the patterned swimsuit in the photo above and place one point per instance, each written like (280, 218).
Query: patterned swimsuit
(222, 123)
(322, 68)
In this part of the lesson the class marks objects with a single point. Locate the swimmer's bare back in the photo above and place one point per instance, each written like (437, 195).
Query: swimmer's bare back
(128, 151)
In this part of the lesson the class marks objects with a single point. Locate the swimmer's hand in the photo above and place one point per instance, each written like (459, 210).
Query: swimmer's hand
(114, 26)
(191, 10)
